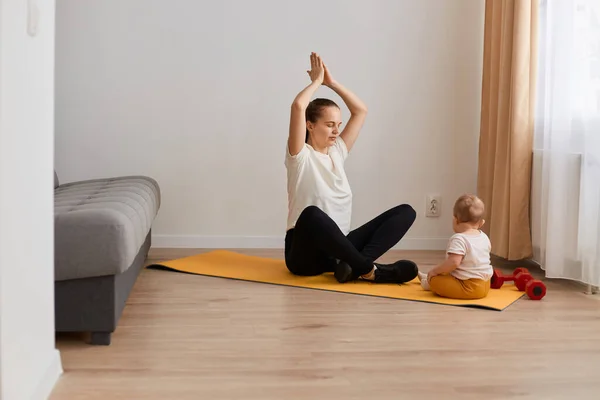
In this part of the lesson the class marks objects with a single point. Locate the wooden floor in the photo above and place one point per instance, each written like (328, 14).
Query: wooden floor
(192, 337)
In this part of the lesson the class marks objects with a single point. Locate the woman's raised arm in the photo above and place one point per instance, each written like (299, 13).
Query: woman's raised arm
(297, 134)
(358, 109)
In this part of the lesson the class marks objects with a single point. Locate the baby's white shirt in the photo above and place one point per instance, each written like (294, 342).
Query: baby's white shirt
(476, 250)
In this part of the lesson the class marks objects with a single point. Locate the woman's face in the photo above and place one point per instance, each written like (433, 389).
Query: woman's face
(325, 131)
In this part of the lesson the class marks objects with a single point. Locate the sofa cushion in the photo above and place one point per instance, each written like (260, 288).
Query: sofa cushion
(100, 224)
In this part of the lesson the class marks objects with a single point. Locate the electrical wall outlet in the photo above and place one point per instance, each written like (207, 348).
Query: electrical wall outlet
(434, 205)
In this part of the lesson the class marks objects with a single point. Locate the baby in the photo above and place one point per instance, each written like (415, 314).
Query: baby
(467, 271)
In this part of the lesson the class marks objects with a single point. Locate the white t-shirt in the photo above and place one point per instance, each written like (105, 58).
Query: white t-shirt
(317, 179)
(476, 250)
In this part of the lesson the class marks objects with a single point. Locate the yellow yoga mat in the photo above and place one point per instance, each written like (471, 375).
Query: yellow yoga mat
(232, 265)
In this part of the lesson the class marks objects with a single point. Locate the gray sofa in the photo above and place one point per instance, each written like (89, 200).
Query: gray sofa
(102, 231)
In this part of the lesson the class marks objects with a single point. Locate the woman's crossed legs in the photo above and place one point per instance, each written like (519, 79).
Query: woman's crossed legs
(317, 245)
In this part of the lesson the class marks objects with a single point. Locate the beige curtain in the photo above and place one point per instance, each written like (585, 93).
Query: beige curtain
(506, 137)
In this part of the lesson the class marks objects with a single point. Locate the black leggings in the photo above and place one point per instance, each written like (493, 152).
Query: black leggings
(315, 244)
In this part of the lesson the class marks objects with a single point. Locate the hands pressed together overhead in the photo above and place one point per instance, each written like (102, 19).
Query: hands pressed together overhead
(320, 75)
(319, 72)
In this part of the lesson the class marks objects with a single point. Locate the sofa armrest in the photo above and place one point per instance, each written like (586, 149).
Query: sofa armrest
(93, 242)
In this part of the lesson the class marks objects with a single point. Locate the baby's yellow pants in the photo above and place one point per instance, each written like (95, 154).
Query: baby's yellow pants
(454, 288)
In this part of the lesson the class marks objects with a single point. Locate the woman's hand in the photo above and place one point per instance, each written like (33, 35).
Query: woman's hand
(327, 79)
(317, 69)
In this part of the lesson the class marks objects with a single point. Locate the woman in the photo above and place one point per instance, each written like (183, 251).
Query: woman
(318, 237)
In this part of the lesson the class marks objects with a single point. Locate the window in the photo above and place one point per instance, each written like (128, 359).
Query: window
(568, 85)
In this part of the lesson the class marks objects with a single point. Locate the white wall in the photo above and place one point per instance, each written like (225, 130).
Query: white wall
(197, 94)
(29, 362)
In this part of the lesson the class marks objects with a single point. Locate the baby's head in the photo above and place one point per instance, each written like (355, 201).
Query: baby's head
(468, 213)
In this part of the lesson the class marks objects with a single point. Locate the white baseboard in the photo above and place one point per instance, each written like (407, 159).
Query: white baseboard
(269, 242)
(50, 378)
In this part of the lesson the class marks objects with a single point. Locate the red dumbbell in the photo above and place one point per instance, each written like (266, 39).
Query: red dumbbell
(521, 280)
(498, 278)
(534, 288)
(524, 282)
